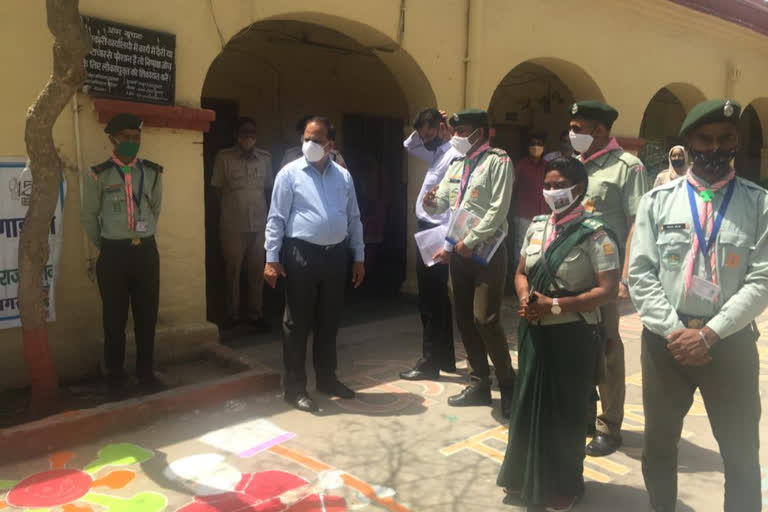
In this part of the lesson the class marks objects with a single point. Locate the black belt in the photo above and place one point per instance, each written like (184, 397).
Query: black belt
(299, 241)
(127, 242)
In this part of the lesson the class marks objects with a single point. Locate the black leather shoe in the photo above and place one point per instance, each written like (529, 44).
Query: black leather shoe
(420, 374)
(335, 388)
(474, 394)
(603, 444)
(449, 368)
(301, 401)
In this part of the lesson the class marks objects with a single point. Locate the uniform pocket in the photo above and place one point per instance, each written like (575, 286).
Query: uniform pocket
(735, 248)
(672, 248)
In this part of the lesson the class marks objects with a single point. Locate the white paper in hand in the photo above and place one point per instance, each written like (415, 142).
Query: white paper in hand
(429, 242)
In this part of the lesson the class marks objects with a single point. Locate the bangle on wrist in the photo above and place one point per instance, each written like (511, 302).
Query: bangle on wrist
(704, 339)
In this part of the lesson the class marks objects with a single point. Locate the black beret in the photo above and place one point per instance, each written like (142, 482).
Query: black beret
(123, 122)
(595, 110)
(712, 111)
(473, 116)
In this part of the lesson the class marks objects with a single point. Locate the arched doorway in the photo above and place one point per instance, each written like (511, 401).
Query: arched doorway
(278, 71)
(661, 123)
(534, 97)
(749, 159)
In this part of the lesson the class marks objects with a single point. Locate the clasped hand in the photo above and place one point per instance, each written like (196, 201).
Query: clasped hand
(533, 311)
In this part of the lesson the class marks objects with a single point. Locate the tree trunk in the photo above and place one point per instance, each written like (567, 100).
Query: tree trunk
(72, 43)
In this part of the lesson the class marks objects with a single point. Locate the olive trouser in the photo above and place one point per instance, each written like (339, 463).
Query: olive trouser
(478, 292)
(729, 388)
(612, 385)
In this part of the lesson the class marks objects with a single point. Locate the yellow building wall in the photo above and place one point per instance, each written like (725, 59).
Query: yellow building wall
(621, 50)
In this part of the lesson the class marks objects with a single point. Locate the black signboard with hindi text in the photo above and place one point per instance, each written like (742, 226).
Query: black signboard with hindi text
(130, 63)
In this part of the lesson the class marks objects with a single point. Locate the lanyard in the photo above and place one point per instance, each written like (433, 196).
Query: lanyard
(705, 246)
(472, 163)
(136, 199)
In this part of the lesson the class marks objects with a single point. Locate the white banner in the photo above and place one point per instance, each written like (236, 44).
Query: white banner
(15, 191)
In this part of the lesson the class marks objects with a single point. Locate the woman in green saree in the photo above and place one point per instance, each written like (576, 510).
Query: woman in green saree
(559, 342)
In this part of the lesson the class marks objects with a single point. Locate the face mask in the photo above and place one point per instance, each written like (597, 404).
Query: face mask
(678, 163)
(581, 142)
(717, 161)
(313, 151)
(127, 149)
(559, 199)
(462, 144)
(433, 144)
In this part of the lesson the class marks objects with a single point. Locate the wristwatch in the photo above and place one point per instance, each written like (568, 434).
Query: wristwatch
(556, 309)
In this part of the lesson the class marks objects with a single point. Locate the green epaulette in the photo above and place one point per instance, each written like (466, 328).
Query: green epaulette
(103, 166)
(498, 152)
(593, 223)
(540, 218)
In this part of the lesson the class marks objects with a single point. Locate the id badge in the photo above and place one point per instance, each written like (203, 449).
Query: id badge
(142, 226)
(704, 289)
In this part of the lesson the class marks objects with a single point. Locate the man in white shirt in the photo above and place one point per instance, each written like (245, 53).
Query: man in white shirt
(430, 142)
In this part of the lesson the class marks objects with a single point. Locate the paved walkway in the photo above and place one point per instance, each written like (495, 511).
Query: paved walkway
(397, 447)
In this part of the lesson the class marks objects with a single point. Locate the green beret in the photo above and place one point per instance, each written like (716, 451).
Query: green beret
(595, 110)
(473, 116)
(123, 122)
(712, 111)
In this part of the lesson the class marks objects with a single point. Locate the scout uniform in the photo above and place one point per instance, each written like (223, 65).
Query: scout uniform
(120, 208)
(243, 180)
(617, 181)
(486, 177)
(727, 289)
(577, 272)
(558, 357)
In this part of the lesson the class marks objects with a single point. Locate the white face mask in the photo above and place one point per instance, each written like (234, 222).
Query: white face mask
(560, 199)
(462, 144)
(581, 142)
(313, 151)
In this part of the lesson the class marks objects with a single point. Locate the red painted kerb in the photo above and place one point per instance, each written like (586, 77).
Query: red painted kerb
(161, 116)
(752, 14)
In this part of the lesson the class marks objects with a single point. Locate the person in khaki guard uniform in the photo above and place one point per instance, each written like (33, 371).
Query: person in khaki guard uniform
(242, 176)
(121, 205)
(480, 182)
(569, 266)
(699, 276)
(617, 180)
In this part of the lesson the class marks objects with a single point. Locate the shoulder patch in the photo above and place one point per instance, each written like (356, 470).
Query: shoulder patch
(540, 218)
(593, 223)
(103, 166)
(152, 165)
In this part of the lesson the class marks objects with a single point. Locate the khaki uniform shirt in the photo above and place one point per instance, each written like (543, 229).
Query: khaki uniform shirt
(104, 213)
(664, 232)
(617, 181)
(243, 179)
(488, 193)
(578, 272)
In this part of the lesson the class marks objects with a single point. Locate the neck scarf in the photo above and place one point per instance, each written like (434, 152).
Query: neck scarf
(613, 145)
(126, 168)
(557, 224)
(706, 219)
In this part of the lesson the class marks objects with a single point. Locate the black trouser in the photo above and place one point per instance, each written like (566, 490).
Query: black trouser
(478, 292)
(129, 275)
(435, 309)
(315, 282)
(729, 387)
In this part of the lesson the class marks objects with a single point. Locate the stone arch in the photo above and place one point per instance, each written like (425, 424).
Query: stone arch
(535, 96)
(662, 118)
(752, 160)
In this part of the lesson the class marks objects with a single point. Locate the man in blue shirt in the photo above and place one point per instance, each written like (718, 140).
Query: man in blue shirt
(430, 141)
(313, 221)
